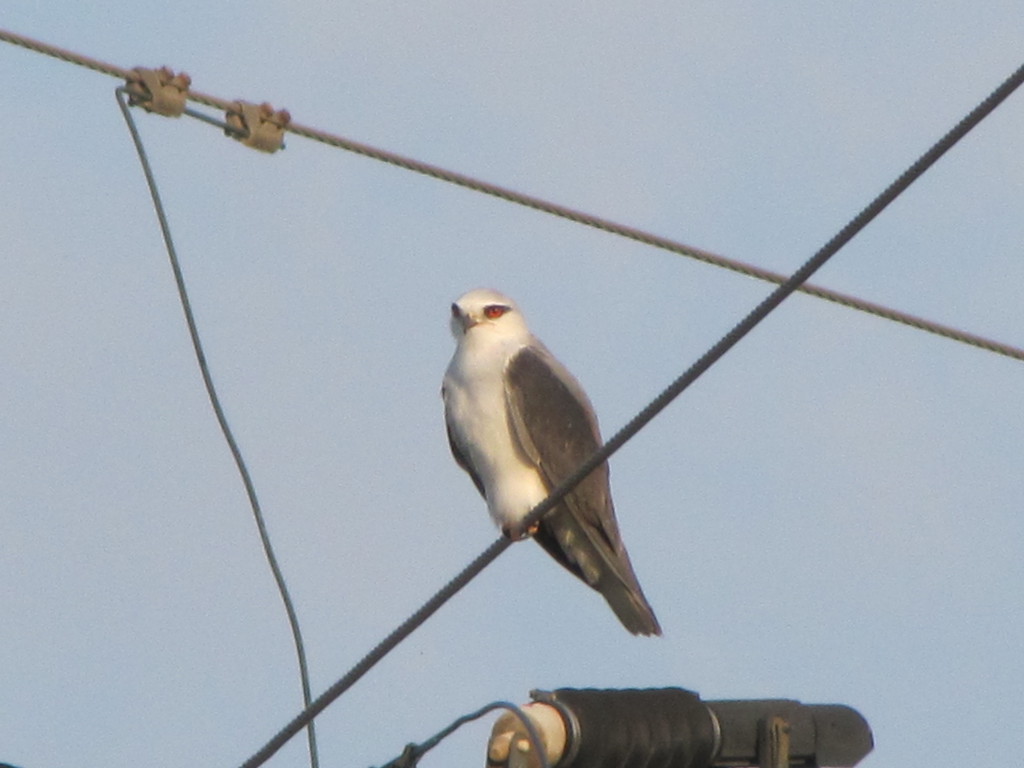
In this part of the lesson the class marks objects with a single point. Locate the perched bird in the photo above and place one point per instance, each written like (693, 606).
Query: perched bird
(519, 424)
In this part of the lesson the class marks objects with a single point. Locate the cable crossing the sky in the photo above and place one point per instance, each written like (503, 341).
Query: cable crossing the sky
(529, 201)
(762, 310)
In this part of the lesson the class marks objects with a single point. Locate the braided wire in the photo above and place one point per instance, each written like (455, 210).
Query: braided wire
(545, 206)
(674, 389)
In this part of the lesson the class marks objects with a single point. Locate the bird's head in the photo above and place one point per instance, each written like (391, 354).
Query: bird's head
(487, 309)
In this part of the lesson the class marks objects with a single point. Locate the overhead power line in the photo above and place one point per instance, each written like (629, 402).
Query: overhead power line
(545, 206)
(728, 341)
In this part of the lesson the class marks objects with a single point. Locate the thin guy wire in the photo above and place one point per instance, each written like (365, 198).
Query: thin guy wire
(761, 311)
(225, 428)
(656, 241)
(63, 54)
(605, 225)
(417, 751)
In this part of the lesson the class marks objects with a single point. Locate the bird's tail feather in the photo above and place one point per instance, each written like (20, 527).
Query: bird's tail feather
(601, 564)
(630, 605)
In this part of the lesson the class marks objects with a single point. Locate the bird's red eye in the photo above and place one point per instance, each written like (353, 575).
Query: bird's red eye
(494, 311)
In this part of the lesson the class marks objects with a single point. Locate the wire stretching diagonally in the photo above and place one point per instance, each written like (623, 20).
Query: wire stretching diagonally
(243, 471)
(536, 203)
(656, 241)
(644, 237)
(644, 417)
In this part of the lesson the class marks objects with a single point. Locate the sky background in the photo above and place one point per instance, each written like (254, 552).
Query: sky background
(832, 513)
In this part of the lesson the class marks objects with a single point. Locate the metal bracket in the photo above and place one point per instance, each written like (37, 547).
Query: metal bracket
(257, 125)
(773, 743)
(158, 90)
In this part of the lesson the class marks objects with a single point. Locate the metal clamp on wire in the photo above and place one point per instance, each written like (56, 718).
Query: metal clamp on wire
(158, 90)
(258, 125)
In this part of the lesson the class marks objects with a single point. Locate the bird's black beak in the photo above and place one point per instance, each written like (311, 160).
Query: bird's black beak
(464, 321)
(460, 321)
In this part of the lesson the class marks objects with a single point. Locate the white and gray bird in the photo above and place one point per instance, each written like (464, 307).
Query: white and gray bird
(519, 424)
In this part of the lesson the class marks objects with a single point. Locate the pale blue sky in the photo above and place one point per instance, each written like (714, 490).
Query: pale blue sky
(831, 514)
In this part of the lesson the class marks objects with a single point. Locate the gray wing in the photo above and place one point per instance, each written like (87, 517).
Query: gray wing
(555, 425)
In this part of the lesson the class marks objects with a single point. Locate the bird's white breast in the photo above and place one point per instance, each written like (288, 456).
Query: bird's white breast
(474, 393)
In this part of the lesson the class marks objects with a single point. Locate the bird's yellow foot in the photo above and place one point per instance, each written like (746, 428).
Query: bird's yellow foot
(516, 533)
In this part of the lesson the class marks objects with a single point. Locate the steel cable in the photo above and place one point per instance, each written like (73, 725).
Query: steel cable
(747, 324)
(554, 209)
